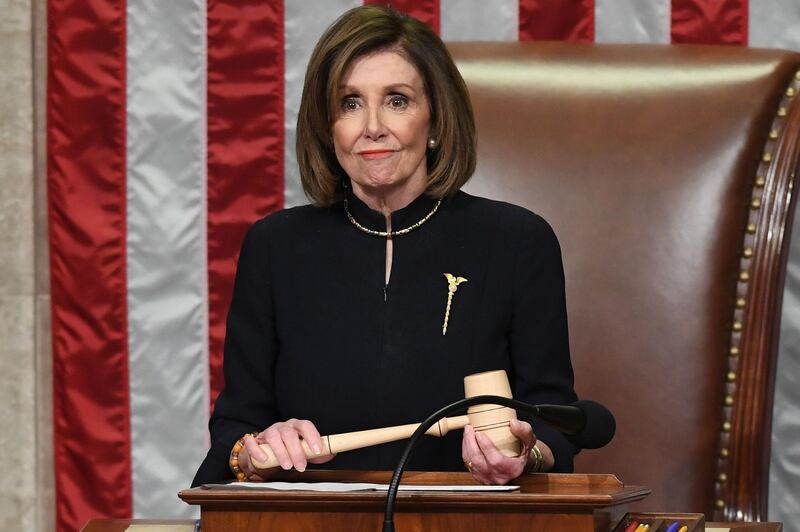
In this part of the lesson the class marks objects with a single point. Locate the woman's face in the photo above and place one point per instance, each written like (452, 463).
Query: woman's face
(381, 129)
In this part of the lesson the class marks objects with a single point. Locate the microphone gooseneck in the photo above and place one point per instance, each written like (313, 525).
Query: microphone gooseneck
(587, 424)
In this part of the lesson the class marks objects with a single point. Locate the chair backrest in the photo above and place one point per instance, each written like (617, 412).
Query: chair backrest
(666, 172)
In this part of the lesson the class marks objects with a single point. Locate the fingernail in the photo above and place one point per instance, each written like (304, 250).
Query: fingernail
(286, 465)
(301, 468)
(515, 423)
(259, 454)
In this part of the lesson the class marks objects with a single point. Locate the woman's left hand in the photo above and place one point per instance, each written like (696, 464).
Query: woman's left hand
(486, 463)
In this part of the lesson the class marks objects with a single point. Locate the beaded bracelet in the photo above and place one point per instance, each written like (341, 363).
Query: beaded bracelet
(233, 461)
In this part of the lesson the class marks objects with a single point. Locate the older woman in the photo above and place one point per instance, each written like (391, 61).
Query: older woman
(367, 308)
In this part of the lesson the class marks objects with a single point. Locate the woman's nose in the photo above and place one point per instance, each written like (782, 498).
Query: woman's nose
(374, 128)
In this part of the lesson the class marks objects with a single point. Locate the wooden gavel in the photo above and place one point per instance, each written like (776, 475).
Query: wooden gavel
(492, 420)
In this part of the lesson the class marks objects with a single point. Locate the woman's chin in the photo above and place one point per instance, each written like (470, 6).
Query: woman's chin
(390, 188)
(375, 183)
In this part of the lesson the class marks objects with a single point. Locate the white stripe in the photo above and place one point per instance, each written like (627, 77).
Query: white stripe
(304, 23)
(167, 290)
(632, 21)
(784, 480)
(774, 24)
(479, 20)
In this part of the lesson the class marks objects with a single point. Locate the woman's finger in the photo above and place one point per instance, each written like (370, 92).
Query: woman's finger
(273, 438)
(321, 459)
(524, 433)
(493, 455)
(470, 451)
(253, 450)
(474, 459)
(291, 439)
(310, 434)
(501, 468)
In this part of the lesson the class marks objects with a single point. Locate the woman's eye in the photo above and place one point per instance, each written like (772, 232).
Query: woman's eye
(350, 104)
(398, 101)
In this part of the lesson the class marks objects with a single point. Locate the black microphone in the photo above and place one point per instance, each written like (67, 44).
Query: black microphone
(585, 423)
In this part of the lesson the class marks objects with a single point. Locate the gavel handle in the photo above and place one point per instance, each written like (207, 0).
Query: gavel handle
(338, 443)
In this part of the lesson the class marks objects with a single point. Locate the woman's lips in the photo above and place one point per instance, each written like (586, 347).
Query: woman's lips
(375, 154)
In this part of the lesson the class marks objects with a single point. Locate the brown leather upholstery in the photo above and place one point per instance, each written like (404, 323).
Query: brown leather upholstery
(651, 162)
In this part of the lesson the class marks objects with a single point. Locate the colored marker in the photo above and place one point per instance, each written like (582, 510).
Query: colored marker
(684, 528)
(632, 526)
(673, 527)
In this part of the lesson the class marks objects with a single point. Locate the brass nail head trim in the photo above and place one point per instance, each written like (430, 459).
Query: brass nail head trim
(748, 252)
(731, 376)
(782, 111)
(767, 157)
(751, 228)
(744, 277)
(728, 400)
(734, 351)
(720, 504)
(723, 477)
(724, 452)
(756, 203)
(773, 134)
(760, 181)
(741, 302)
(790, 92)
(737, 326)
(726, 427)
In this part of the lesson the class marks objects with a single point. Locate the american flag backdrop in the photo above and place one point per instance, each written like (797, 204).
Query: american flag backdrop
(170, 129)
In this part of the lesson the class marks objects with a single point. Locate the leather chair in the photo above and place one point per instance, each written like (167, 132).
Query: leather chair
(666, 172)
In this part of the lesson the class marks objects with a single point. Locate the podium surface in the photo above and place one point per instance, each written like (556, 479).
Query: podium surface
(153, 525)
(552, 502)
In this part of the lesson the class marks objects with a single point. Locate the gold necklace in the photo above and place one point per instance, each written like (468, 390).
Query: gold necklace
(387, 234)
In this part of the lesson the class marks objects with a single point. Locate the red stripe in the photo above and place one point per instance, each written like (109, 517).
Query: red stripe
(556, 20)
(86, 208)
(245, 143)
(709, 21)
(427, 11)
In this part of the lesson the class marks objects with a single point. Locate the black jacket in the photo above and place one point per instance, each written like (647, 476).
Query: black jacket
(313, 333)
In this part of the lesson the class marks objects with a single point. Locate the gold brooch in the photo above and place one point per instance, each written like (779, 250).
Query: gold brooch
(452, 286)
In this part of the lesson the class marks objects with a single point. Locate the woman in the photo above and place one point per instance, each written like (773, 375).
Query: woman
(368, 308)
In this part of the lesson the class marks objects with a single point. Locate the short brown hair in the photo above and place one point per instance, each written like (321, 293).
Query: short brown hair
(359, 32)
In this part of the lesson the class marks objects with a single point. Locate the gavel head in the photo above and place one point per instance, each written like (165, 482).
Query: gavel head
(492, 420)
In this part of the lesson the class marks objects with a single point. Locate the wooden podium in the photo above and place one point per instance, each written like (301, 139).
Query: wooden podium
(551, 502)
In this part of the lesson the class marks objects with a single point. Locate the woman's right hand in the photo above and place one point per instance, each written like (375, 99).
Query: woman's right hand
(284, 439)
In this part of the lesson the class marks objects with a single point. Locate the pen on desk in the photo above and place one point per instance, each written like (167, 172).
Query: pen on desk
(632, 526)
(673, 527)
(684, 528)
